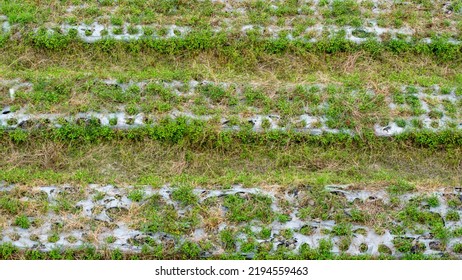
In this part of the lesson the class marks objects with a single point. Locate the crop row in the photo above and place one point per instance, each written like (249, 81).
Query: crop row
(251, 223)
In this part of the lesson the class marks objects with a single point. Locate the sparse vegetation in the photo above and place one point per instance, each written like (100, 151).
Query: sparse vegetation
(291, 96)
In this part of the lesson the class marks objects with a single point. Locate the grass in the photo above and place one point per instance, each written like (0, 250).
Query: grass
(200, 13)
(241, 75)
(247, 164)
(22, 221)
(248, 208)
(185, 195)
(186, 251)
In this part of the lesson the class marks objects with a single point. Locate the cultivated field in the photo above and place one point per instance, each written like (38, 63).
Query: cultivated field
(222, 129)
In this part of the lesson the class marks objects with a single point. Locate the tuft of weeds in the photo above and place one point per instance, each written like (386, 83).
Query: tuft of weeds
(452, 215)
(400, 187)
(185, 195)
(246, 209)
(136, 195)
(22, 221)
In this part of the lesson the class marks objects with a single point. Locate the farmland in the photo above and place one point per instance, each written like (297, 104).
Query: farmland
(230, 129)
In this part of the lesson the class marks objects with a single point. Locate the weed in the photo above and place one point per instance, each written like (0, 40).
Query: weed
(342, 229)
(249, 208)
(10, 205)
(403, 244)
(433, 201)
(136, 195)
(283, 218)
(265, 233)
(110, 239)
(457, 248)
(452, 215)
(344, 244)
(190, 250)
(7, 250)
(22, 221)
(400, 187)
(383, 249)
(53, 238)
(228, 239)
(185, 195)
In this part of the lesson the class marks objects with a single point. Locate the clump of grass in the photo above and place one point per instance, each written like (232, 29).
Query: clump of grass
(228, 239)
(344, 244)
(22, 221)
(452, 215)
(185, 195)
(282, 218)
(400, 122)
(253, 206)
(110, 239)
(53, 238)
(136, 195)
(215, 93)
(457, 248)
(190, 250)
(433, 201)
(342, 229)
(10, 205)
(400, 187)
(402, 244)
(265, 233)
(383, 249)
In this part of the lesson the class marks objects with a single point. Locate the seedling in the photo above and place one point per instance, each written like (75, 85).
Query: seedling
(22, 221)
(136, 195)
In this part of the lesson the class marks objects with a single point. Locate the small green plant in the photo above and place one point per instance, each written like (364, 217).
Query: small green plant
(384, 249)
(215, 93)
(282, 218)
(228, 239)
(7, 250)
(287, 233)
(457, 248)
(136, 195)
(98, 196)
(190, 250)
(306, 230)
(118, 31)
(400, 122)
(325, 248)
(10, 205)
(113, 121)
(53, 238)
(18, 136)
(452, 215)
(344, 244)
(266, 124)
(342, 229)
(253, 207)
(400, 187)
(433, 201)
(132, 109)
(185, 195)
(117, 21)
(110, 239)
(116, 255)
(265, 233)
(248, 246)
(132, 30)
(359, 216)
(402, 244)
(417, 123)
(22, 221)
